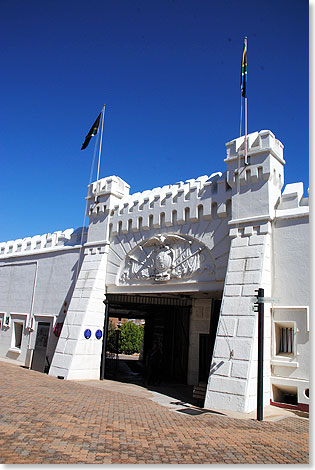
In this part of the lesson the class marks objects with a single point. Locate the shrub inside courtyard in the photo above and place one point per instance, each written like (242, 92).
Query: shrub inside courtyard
(129, 338)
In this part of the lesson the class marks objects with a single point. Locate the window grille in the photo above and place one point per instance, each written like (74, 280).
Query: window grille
(286, 340)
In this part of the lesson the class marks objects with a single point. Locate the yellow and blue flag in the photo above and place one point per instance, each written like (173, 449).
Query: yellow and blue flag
(244, 69)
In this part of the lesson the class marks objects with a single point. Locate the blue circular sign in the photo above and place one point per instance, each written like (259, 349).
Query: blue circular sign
(98, 334)
(87, 334)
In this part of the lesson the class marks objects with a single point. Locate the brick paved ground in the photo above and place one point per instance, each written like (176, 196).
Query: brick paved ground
(46, 420)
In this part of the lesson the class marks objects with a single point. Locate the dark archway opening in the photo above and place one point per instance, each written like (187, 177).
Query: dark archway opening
(166, 323)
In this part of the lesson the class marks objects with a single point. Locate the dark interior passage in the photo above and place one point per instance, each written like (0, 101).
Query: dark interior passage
(166, 327)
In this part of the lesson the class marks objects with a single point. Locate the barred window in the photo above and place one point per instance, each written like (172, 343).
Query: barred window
(286, 340)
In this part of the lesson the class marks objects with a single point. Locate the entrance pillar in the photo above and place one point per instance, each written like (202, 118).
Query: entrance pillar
(256, 188)
(79, 348)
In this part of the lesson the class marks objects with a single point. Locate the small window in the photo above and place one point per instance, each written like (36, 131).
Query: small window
(286, 340)
(18, 330)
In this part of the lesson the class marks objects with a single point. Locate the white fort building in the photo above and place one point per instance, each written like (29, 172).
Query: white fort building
(186, 257)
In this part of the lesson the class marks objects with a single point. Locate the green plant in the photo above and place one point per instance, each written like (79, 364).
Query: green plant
(131, 336)
(111, 338)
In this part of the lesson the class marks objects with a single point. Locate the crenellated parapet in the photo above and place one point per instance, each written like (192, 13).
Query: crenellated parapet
(259, 145)
(256, 184)
(47, 241)
(292, 202)
(104, 194)
(172, 205)
(251, 190)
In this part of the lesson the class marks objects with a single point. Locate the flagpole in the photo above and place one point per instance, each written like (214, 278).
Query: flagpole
(241, 115)
(245, 160)
(99, 153)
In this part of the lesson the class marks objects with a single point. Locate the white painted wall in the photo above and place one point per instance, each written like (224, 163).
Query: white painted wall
(291, 290)
(36, 278)
(292, 261)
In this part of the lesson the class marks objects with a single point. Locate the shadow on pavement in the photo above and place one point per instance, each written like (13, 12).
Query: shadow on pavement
(133, 371)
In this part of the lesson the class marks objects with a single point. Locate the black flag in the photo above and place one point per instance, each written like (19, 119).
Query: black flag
(93, 131)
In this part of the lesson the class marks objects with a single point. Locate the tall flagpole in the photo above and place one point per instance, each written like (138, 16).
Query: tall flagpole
(245, 78)
(246, 162)
(99, 153)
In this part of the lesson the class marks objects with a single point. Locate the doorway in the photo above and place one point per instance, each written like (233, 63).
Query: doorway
(39, 355)
(166, 323)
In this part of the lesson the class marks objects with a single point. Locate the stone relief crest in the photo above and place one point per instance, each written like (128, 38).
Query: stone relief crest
(162, 258)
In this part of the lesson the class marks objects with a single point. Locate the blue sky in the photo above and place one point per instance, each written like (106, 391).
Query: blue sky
(168, 72)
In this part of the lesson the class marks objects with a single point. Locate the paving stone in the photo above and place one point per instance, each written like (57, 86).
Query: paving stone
(46, 420)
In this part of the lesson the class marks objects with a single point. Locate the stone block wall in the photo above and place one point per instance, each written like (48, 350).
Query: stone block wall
(78, 357)
(233, 385)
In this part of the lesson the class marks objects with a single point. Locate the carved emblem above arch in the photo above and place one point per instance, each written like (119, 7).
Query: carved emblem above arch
(166, 257)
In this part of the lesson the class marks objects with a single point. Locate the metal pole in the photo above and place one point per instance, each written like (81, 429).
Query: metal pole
(99, 152)
(105, 332)
(260, 371)
(246, 160)
(245, 78)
